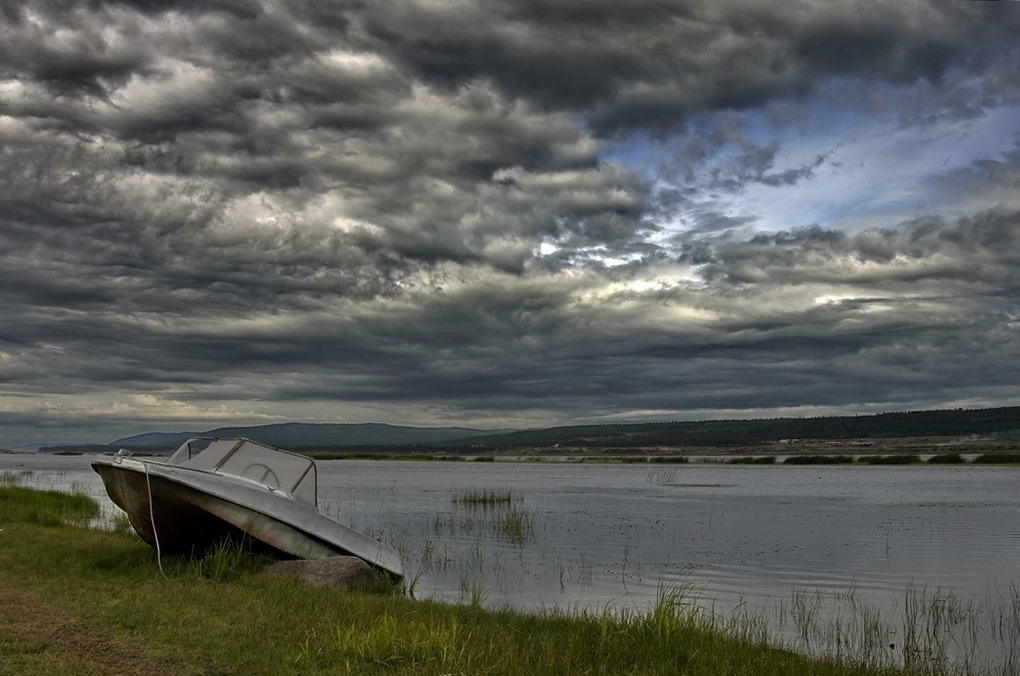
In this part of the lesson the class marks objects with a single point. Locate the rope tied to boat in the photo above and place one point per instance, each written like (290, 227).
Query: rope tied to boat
(152, 520)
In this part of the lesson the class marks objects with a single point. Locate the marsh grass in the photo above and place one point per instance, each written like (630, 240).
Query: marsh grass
(818, 460)
(492, 512)
(9, 478)
(997, 459)
(946, 459)
(45, 508)
(664, 476)
(485, 497)
(897, 459)
(753, 460)
(938, 632)
(435, 559)
(516, 526)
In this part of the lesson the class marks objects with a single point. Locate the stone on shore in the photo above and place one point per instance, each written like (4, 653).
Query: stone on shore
(339, 572)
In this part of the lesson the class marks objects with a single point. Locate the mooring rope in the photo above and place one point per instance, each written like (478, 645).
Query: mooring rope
(152, 520)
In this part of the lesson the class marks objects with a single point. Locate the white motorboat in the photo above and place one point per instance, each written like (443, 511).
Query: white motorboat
(212, 490)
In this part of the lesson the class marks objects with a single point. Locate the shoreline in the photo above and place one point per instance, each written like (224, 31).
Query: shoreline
(94, 601)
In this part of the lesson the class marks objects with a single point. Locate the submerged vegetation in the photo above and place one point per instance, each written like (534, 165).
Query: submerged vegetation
(484, 497)
(494, 512)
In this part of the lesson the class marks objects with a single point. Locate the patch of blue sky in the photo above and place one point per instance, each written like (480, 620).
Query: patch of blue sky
(637, 151)
(843, 167)
(877, 174)
(853, 155)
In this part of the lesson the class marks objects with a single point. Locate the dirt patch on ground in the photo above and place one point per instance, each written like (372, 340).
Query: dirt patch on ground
(36, 638)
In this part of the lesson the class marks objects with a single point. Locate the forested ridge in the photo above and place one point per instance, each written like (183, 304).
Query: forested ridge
(1001, 422)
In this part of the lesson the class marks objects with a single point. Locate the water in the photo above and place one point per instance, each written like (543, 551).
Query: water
(772, 543)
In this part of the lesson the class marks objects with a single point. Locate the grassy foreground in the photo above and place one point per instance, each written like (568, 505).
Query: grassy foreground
(81, 600)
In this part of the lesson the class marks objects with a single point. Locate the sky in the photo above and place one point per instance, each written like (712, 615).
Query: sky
(503, 213)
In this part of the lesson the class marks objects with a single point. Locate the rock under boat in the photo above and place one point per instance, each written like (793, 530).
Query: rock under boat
(212, 490)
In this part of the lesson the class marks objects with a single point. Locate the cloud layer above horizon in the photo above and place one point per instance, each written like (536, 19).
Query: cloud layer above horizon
(503, 213)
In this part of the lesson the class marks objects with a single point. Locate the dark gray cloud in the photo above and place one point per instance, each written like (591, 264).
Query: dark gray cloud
(653, 63)
(492, 213)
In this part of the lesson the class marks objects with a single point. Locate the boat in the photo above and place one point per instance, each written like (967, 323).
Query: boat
(210, 491)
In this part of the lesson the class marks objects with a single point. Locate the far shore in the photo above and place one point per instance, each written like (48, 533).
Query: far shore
(892, 451)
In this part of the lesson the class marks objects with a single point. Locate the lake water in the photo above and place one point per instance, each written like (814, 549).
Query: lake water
(787, 547)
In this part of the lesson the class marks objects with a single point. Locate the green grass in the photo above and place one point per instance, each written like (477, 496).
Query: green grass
(997, 459)
(899, 459)
(946, 459)
(9, 478)
(516, 526)
(244, 624)
(484, 497)
(46, 508)
(753, 460)
(818, 460)
(489, 511)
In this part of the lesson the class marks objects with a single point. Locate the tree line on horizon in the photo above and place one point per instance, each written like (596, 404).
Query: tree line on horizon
(1001, 423)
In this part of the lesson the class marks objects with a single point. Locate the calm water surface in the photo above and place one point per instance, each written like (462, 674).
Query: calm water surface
(755, 540)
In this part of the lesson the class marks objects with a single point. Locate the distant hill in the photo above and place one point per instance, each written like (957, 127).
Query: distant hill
(997, 423)
(994, 422)
(155, 439)
(306, 436)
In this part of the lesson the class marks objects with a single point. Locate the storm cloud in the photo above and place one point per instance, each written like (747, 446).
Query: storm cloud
(503, 213)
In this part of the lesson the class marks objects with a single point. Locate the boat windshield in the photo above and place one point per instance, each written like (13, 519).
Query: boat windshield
(288, 472)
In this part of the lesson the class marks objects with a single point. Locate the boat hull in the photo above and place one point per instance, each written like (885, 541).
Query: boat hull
(186, 511)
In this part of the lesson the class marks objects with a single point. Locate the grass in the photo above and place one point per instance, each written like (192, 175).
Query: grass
(107, 584)
(490, 511)
(939, 633)
(998, 458)
(899, 459)
(946, 459)
(516, 526)
(8, 478)
(753, 460)
(47, 508)
(484, 497)
(818, 460)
